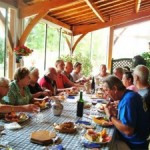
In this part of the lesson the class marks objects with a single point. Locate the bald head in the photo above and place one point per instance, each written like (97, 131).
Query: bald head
(118, 72)
(51, 73)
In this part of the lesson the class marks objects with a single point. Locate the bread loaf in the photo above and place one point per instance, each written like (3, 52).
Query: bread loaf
(43, 137)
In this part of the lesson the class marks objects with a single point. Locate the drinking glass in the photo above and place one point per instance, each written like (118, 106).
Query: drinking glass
(38, 116)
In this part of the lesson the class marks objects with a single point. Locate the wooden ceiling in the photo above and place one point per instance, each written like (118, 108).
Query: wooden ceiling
(82, 16)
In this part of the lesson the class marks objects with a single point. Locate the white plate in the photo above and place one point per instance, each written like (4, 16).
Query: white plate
(107, 139)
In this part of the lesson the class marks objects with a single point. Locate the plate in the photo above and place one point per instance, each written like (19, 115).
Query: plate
(16, 117)
(100, 107)
(66, 127)
(102, 121)
(105, 140)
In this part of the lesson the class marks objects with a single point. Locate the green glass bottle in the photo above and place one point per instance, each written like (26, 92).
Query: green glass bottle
(80, 105)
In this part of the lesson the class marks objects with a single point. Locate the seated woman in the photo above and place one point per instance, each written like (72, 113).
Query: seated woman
(76, 72)
(4, 88)
(34, 87)
(127, 80)
(19, 93)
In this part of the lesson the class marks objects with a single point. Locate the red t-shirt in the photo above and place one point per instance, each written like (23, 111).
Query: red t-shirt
(43, 83)
(61, 81)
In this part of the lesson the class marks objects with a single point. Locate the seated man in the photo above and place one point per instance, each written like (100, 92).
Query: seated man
(67, 70)
(49, 80)
(62, 81)
(102, 73)
(4, 88)
(132, 121)
(118, 72)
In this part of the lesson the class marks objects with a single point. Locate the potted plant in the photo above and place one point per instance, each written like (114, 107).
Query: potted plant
(22, 51)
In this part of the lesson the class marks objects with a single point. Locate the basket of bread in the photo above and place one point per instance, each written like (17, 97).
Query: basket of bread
(97, 137)
(66, 127)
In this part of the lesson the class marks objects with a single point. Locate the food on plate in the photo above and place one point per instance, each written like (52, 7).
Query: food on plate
(98, 137)
(14, 117)
(99, 95)
(66, 127)
(102, 121)
(60, 97)
(100, 106)
(87, 105)
(42, 104)
(72, 92)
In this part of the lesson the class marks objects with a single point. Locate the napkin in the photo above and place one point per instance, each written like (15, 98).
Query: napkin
(83, 122)
(11, 126)
(91, 145)
(57, 147)
(71, 97)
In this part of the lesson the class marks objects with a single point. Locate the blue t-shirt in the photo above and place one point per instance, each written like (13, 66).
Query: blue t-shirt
(132, 114)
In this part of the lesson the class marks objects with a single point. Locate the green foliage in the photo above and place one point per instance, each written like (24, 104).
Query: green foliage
(146, 56)
(85, 61)
(1, 52)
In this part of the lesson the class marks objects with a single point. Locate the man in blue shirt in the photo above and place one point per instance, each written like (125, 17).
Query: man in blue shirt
(131, 120)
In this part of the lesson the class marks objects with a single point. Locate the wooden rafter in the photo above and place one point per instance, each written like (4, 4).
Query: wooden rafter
(88, 28)
(137, 5)
(31, 25)
(35, 8)
(68, 42)
(9, 38)
(77, 41)
(56, 21)
(95, 10)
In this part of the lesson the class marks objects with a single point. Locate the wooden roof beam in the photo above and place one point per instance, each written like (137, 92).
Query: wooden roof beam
(95, 10)
(31, 25)
(35, 8)
(56, 21)
(82, 29)
(137, 5)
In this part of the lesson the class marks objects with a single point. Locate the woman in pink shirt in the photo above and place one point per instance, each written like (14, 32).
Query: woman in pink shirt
(127, 80)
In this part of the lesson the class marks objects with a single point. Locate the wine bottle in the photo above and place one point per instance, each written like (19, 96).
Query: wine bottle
(80, 105)
(93, 86)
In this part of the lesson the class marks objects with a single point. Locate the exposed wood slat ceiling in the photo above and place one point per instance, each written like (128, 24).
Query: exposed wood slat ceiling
(84, 15)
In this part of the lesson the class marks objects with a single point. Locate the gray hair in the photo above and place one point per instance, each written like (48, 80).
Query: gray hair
(3, 80)
(112, 81)
(142, 72)
(119, 69)
(33, 69)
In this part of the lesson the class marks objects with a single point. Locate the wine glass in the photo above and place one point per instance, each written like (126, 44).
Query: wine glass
(93, 108)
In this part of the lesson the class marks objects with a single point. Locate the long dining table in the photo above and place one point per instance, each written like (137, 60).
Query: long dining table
(20, 139)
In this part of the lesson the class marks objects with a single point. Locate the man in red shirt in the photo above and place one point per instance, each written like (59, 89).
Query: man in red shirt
(49, 80)
(62, 80)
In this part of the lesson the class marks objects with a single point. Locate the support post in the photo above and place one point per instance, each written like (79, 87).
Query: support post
(111, 43)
